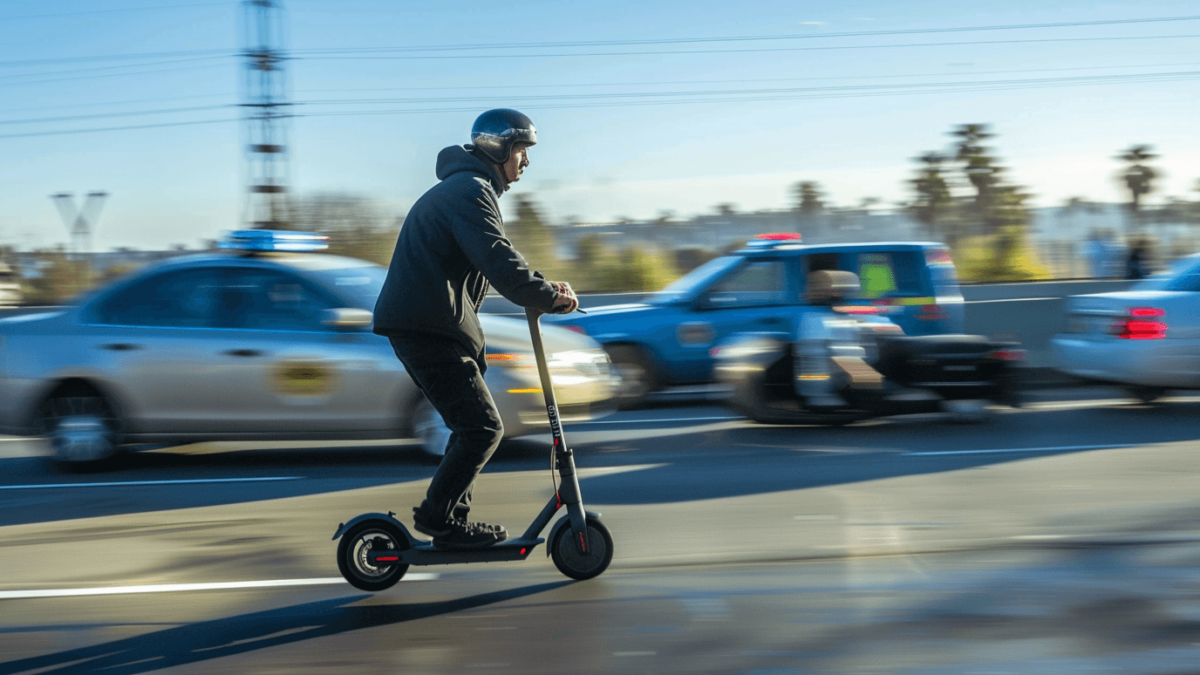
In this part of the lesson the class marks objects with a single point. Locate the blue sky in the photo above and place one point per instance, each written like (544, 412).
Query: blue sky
(642, 107)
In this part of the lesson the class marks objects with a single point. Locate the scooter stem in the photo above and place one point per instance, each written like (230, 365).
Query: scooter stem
(568, 492)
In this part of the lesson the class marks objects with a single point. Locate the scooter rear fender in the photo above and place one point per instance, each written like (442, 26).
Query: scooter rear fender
(389, 518)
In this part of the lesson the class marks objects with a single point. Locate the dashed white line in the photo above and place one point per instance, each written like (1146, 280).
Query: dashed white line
(129, 483)
(176, 588)
(995, 451)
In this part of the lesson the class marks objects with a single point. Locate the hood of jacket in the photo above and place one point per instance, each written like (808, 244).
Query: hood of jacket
(458, 158)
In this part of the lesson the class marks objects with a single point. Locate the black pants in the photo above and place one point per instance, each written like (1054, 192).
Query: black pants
(452, 379)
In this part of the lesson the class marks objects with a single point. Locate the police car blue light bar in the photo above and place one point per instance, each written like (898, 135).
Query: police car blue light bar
(273, 240)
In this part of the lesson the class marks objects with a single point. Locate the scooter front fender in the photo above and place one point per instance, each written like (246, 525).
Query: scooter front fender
(566, 522)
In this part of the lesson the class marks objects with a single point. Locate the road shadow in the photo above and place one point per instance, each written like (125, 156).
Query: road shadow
(692, 460)
(749, 460)
(208, 640)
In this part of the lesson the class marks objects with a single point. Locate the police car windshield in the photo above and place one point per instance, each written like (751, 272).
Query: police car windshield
(358, 285)
(686, 284)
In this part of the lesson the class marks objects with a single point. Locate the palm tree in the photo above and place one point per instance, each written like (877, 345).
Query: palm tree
(933, 194)
(1139, 178)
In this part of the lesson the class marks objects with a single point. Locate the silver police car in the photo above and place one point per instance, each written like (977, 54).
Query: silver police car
(266, 341)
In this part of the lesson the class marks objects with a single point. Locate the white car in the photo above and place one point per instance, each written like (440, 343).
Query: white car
(10, 289)
(1146, 339)
(262, 342)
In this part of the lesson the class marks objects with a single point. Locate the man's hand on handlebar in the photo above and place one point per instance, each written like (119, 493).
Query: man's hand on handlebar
(566, 302)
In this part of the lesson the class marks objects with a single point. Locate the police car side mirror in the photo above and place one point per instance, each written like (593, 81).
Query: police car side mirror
(715, 300)
(348, 318)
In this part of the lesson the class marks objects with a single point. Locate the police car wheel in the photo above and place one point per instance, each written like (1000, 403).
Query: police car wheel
(82, 427)
(430, 429)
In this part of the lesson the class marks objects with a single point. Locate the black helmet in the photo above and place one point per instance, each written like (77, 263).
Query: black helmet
(495, 131)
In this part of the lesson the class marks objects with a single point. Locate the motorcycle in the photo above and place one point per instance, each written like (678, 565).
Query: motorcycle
(847, 362)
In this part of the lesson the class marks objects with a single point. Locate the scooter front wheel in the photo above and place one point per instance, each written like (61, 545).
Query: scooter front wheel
(564, 550)
(353, 560)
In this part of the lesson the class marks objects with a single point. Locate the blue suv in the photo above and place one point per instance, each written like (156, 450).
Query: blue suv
(669, 339)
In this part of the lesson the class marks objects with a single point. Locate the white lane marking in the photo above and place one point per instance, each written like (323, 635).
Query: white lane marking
(176, 588)
(181, 481)
(1051, 448)
(660, 421)
(972, 302)
(608, 470)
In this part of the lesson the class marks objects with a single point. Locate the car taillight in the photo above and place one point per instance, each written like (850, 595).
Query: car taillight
(1142, 324)
(1007, 354)
(931, 313)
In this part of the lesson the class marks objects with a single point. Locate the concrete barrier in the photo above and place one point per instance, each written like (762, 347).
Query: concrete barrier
(1031, 312)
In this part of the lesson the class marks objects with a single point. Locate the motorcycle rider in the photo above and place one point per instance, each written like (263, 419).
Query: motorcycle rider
(451, 246)
(829, 348)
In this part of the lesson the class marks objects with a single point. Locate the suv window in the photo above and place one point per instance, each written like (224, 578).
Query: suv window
(755, 284)
(888, 273)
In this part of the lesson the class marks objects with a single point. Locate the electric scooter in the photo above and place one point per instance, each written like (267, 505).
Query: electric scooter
(376, 549)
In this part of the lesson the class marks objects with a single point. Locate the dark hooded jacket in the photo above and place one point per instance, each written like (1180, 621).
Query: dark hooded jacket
(452, 244)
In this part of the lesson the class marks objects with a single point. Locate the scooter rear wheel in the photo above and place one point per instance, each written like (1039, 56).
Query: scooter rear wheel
(580, 566)
(371, 535)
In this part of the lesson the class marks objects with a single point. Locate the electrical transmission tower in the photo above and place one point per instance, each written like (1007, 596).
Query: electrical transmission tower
(266, 113)
(80, 222)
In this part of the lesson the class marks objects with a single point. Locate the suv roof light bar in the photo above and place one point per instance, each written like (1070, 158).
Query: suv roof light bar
(769, 239)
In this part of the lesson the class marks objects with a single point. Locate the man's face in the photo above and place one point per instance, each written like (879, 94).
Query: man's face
(517, 161)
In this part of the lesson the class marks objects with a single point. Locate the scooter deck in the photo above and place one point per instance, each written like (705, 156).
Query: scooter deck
(425, 553)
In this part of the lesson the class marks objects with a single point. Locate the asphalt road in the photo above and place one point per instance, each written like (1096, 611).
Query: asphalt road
(1060, 538)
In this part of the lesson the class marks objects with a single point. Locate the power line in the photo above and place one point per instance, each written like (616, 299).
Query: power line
(509, 88)
(699, 97)
(512, 90)
(513, 95)
(69, 118)
(116, 57)
(113, 67)
(126, 74)
(125, 128)
(709, 52)
(750, 38)
(100, 104)
(110, 11)
(450, 47)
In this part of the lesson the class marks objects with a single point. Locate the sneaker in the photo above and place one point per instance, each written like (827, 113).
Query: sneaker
(430, 526)
(465, 534)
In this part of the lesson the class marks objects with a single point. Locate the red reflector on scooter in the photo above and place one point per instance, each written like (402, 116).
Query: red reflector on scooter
(388, 558)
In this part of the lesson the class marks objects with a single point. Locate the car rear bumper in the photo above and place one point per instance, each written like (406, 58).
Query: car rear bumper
(1152, 363)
